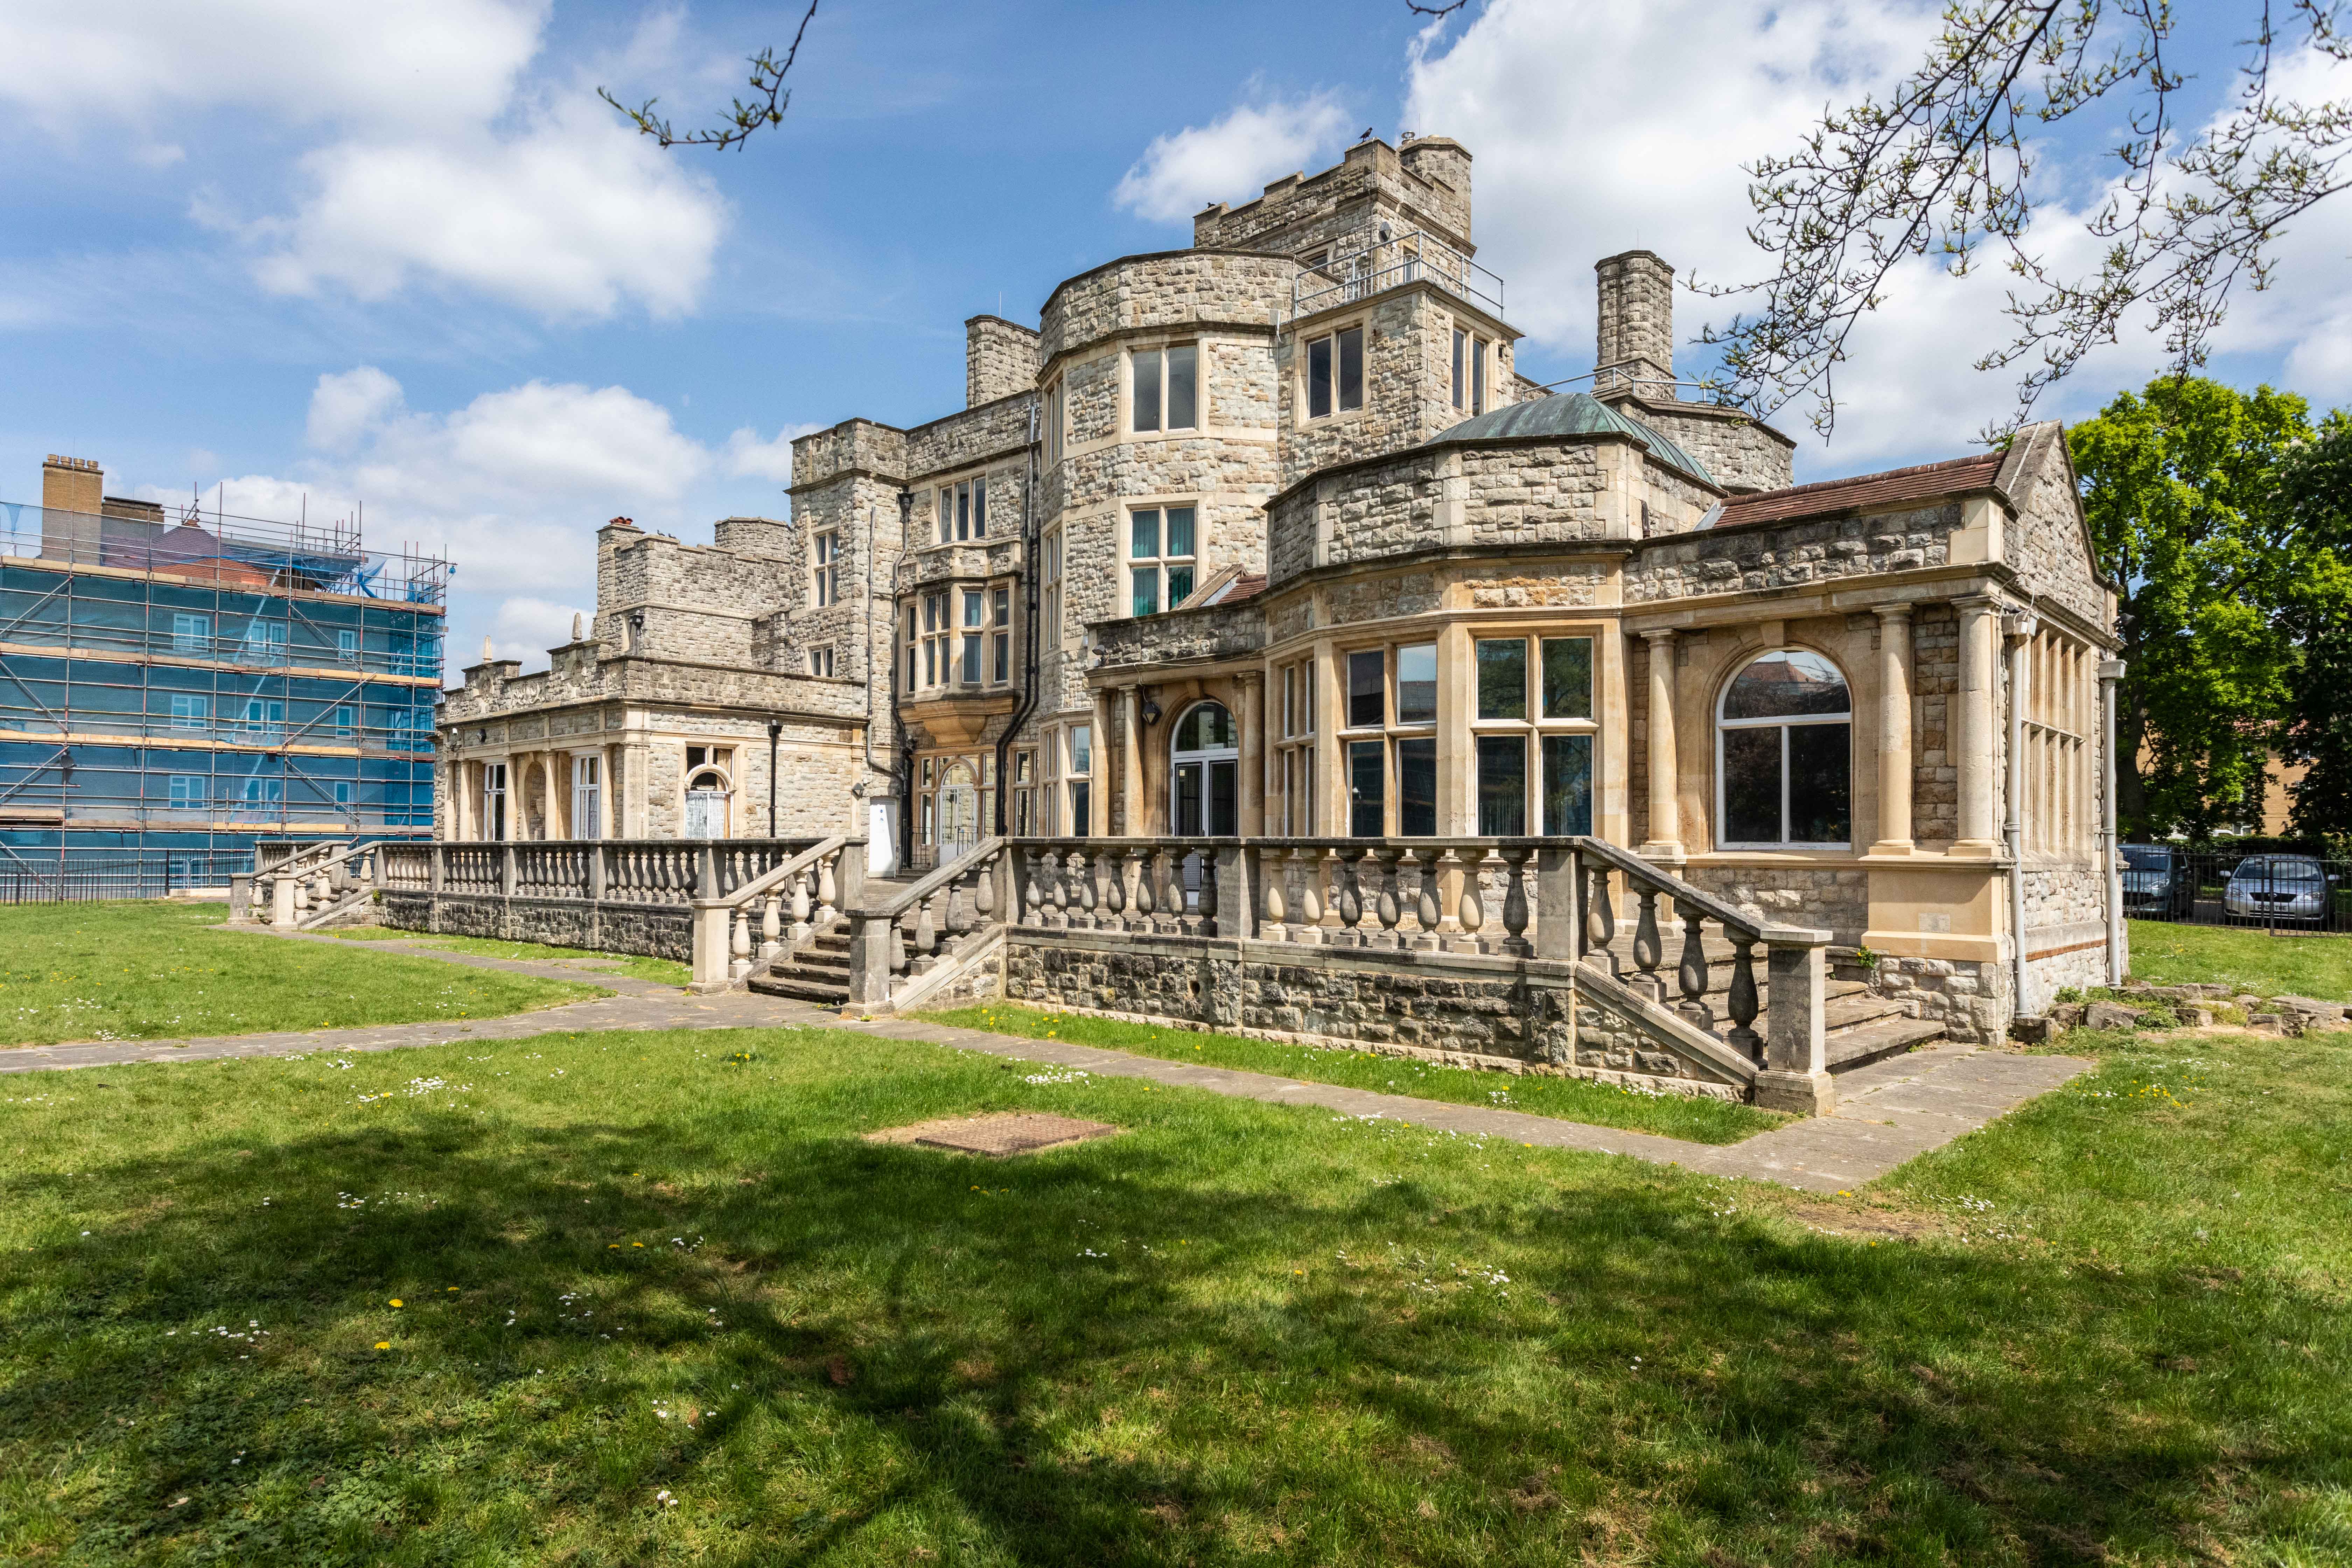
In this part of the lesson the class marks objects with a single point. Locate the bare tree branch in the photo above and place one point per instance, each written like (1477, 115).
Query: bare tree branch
(1945, 165)
(1421, 10)
(767, 76)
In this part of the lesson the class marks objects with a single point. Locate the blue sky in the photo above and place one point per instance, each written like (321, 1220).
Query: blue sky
(407, 259)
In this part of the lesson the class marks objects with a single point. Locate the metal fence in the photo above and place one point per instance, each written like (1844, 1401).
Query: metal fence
(84, 879)
(2264, 890)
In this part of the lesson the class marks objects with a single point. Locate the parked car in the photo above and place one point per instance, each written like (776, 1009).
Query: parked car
(2277, 888)
(2159, 883)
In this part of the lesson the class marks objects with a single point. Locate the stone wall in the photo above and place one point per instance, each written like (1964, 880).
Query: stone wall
(1828, 898)
(1742, 453)
(1934, 692)
(1213, 631)
(1172, 290)
(1426, 184)
(1470, 1011)
(654, 930)
(1000, 359)
(1971, 999)
(2044, 537)
(1756, 556)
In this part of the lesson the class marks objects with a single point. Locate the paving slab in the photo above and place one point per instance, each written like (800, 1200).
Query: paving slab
(1888, 1112)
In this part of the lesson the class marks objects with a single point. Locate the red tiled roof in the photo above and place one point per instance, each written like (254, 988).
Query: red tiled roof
(1248, 585)
(1864, 492)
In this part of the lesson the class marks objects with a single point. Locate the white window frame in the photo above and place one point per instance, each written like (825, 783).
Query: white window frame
(1052, 577)
(1163, 563)
(825, 567)
(1000, 639)
(587, 795)
(821, 660)
(1164, 373)
(1723, 838)
(187, 791)
(191, 634)
(1536, 727)
(1333, 337)
(190, 711)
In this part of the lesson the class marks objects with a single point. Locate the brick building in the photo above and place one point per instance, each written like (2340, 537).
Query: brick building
(1267, 536)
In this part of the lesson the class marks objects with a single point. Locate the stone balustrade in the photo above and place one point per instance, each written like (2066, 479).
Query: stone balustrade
(791, 901)
(895, 946)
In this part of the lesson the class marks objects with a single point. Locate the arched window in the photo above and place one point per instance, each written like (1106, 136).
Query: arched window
(706, 805)
(1784, 754)
(1204, 769)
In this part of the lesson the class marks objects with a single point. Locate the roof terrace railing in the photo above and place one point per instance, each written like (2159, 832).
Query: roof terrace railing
(1386, 262)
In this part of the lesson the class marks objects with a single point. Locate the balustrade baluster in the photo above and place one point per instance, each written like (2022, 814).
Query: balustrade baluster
(1272, 908)
(1147, 899)
(1425, 913)
(772, 925)
(828, 890)
(739, 944)
(1033, 892)
(1057, 872)
(959, 907)
(1209, 900)
(1385, 866)
(1742, 1002)
(1600, 917)
(1348, 895)
(1474, 907)
(926, 935)
(1309, 926)
(1514, 901)
(1647, 947)
(984, 892)
(1113, 902)
(1691, 972)
(1089, 890)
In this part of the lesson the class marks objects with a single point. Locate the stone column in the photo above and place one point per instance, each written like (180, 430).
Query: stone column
(554, 806)
(1130, 761)
(1893, 731)
(514, 799)
(1665, 839)
(1098, 768)
(1973, 726)
(1252, 689)
(461, 801)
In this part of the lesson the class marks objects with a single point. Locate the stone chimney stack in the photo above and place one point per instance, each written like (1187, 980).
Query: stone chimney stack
(1000, 359)
(73, 496)
(1444, 163)
(1635, 350)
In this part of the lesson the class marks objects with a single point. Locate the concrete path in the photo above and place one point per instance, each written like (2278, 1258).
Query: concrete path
(1887, 1113)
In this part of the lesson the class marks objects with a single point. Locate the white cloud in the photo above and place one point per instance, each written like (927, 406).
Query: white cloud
(446, 149)
(113, 62)
(750, 458)
(345, 407)
(1672, 97)
(574, 215)
(1231, 159)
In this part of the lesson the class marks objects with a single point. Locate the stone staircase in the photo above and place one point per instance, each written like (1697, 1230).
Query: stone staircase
(1858, 1027)
(818, 974)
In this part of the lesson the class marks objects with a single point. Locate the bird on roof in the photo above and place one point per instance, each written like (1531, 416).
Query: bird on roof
(1366, 135)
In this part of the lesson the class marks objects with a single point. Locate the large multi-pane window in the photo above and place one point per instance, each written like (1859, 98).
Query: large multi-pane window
(1391, 740)
(964, 510)
(968, 648)
(1080, 770)
(190, 710)
(1165, 388)
(1053, 422)
(1295, 754)
(824, 568)
(192, 635)
(1335, 372)
(1785, 753)
(1051, 589)
(187, 790)
(1159, 558)
(1533, 734)
(587, 795)
(1001, 617)
(928, 635)
(1470, 356)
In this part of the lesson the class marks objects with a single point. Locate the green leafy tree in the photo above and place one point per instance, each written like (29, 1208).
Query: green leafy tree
(2179, 485)
(2312, 513)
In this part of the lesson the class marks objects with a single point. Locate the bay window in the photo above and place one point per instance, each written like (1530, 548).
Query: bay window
(1160, 559)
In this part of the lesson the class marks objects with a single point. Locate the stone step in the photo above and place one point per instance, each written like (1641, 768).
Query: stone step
(800, 988)
(1859, 1047)
(818, 958)
(1858, 1007)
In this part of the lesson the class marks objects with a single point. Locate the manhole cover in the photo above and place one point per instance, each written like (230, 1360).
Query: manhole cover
(1006, 1132)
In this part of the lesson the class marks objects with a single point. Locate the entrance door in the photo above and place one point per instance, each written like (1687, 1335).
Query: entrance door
(494, 801)
(706, 806)
(959, 825)
(1204, 773)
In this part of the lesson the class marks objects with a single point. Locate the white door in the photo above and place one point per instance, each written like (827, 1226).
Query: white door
(881, 837)
(705, 813)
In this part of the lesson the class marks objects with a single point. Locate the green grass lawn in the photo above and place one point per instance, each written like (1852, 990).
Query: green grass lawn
(2164, 953)
(650, 1299)
(661, 970)
(150, 970)
(1699, 1120)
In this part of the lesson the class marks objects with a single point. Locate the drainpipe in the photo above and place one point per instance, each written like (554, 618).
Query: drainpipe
(2018, 627)
(775, 731)
(2111, 675)
(1029, 568)
(903, 773)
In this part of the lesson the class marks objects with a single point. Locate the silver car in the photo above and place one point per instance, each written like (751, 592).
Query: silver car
(2277, 888)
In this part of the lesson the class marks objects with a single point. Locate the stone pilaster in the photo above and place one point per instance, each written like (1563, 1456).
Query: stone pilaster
(1974, 725)
(1666, 840)
(1893, 731)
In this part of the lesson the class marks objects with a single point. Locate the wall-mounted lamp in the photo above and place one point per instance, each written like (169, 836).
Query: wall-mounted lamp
(1150, 711)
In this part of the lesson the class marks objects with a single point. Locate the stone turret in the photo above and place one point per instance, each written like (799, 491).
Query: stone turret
(1000, 359)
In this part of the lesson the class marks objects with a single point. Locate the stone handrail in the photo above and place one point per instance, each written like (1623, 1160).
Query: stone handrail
(1446, 895)
(801, 895)
(913, 932)
(308, 881)
(668, 871)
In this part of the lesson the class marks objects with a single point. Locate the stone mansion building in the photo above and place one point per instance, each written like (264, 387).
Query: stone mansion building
(1268, 537)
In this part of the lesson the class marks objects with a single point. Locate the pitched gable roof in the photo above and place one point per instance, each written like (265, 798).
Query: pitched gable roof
(1864, 493)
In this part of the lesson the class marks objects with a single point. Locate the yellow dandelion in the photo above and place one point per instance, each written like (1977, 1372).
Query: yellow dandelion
(395, 1301)
(636, 1244)
(384, 1345)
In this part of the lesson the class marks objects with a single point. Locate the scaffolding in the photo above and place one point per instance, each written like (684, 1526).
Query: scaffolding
(177, 684)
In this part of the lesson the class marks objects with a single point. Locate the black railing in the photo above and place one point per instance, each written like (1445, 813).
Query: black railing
(2264, 890)
(91, 879)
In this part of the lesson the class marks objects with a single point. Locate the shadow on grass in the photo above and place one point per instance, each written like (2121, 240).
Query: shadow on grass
(877, 1356)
